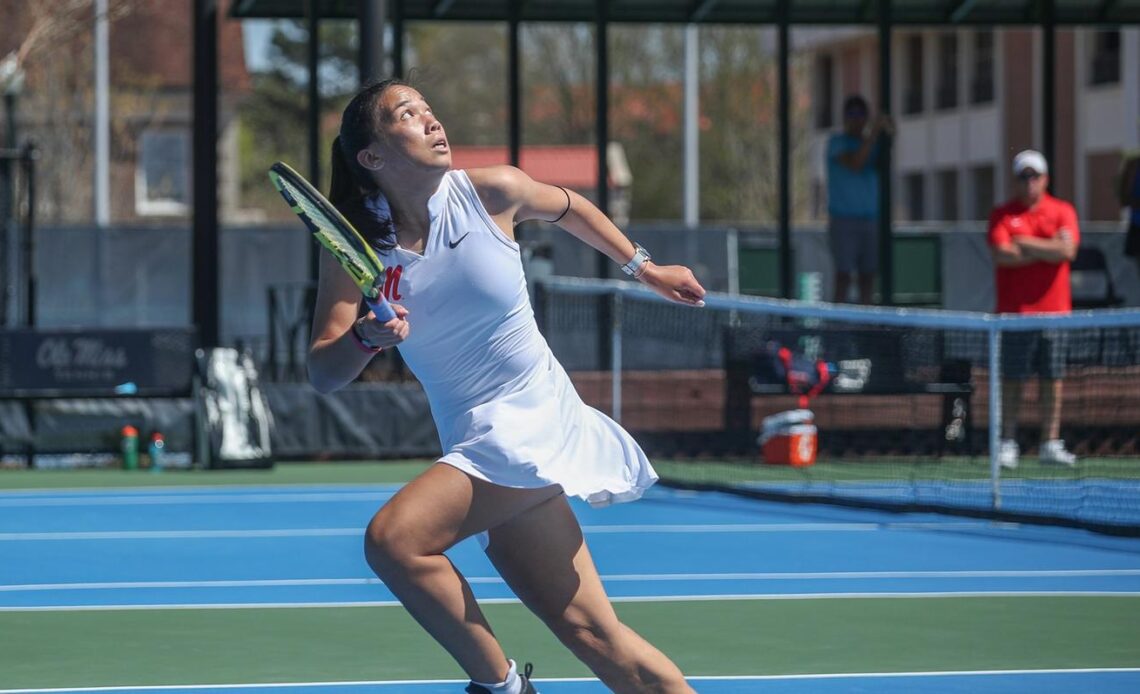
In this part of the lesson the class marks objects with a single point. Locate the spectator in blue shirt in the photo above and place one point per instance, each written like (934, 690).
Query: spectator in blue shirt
(853, 198)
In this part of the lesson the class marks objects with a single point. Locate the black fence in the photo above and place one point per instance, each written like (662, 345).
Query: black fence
(17, 235)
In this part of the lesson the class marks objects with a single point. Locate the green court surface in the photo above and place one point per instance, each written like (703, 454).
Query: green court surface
(208, 580)
(685, 469)
(903, 470)
(724, 637)
(284, 473)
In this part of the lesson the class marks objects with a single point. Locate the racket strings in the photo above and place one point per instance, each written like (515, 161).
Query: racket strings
(349, 249)
(361, 270)
(327, 227)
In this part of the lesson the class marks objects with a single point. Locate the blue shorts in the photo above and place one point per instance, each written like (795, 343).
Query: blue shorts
(854, 244)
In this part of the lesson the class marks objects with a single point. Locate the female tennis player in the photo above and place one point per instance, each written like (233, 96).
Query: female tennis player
(516, 437)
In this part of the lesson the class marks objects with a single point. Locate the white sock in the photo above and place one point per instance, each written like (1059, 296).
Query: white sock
(511, 685)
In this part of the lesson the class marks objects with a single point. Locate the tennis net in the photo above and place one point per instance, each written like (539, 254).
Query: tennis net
(902, 400)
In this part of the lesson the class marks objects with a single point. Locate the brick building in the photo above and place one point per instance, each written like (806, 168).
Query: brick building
(151, 59)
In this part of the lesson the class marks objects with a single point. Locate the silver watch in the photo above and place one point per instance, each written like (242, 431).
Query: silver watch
(637, 263)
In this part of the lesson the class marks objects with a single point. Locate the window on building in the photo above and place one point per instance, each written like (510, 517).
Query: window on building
(912, 85)
(982, 76)
(948, 194)
(982, 190)
(162, 173)
(914, 188)
(1105, 58)
(824, 83)
(947, 94)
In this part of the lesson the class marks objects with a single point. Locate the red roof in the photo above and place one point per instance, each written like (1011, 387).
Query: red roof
(573, 166)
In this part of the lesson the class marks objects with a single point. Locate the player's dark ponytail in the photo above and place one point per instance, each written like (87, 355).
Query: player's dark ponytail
(352, 188)
(343, 187)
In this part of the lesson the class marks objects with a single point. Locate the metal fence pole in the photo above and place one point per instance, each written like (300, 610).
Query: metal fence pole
(29, 156)
(615, 358)
(271, 354)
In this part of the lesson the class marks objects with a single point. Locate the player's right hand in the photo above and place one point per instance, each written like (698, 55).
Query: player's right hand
(388, 334)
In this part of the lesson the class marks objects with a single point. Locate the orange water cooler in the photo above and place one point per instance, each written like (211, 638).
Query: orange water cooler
(789, 438)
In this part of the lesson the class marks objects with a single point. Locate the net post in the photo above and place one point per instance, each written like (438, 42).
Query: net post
(994, 353)
(732, 249)
(615, 356)
(201, 417)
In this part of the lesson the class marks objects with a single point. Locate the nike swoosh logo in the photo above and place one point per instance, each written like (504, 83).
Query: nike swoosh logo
(453, 244)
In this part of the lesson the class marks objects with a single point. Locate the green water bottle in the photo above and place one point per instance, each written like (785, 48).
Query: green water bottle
(130, 447)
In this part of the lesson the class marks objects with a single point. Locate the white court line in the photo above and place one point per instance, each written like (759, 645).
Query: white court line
(336, 532)
(709, 678)
(614, 578)
(186, 499)
(183, 488)
(647, 598)
(735, 528)
(180, 534)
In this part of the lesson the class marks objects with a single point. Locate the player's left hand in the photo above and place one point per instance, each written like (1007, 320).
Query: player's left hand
(674, 282)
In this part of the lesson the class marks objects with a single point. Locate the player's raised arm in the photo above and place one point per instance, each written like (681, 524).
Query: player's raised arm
(510, 193)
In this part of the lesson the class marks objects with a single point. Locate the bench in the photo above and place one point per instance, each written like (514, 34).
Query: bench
(882, 364)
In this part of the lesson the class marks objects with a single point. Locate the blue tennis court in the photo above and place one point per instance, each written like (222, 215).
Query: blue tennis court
(160, 558)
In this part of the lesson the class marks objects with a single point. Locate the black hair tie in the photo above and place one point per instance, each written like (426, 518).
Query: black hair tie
(559, 218)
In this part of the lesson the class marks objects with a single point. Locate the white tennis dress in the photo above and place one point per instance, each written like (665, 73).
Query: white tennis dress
(505, 410)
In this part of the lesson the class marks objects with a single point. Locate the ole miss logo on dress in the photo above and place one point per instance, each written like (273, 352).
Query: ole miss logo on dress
(392, 282)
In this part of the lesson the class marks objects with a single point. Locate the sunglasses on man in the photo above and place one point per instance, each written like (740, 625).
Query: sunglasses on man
(1029, 175)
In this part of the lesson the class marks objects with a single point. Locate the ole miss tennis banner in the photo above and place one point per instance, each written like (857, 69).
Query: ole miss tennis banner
(91, 363)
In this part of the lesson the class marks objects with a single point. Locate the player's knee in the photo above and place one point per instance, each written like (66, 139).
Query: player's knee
(587, 639)
(385, 547)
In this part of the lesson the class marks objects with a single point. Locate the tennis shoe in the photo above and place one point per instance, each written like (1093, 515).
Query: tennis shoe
(1008, 454)
(527, 685)
(1054, 453)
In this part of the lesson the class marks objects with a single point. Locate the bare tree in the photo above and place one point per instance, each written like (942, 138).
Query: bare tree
(740, 147)
(52, 56)
(57, 21)
(558, 77)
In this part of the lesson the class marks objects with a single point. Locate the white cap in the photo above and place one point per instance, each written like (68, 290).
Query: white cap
(1029, 159)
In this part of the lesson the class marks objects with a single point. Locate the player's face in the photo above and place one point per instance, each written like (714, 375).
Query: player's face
(1031, 184)
(412, 132)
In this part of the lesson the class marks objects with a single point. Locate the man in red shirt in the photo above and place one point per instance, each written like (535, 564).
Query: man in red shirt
(1033, 238)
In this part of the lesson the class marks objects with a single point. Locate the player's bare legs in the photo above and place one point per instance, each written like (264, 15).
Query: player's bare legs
(404, 545)
(543, 557)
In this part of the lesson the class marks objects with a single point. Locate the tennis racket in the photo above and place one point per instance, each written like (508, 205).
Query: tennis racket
(333, 231)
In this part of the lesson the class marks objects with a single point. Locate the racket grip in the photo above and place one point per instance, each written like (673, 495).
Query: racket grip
(381, 308)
